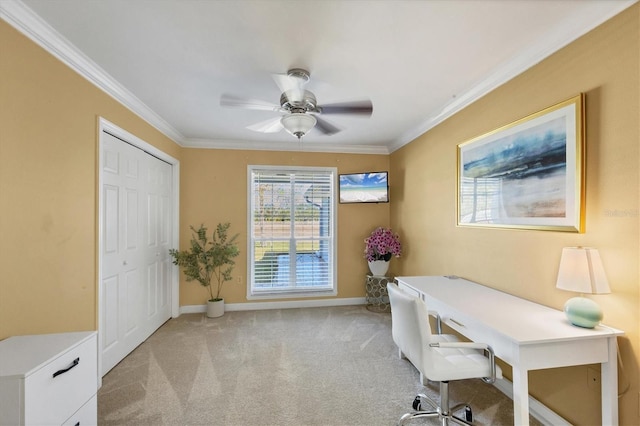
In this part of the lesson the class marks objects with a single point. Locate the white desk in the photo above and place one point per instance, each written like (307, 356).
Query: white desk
(524, 334)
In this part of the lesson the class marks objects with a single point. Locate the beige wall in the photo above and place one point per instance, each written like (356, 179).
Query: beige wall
(604, 65)
(48, 179)
(214, 189)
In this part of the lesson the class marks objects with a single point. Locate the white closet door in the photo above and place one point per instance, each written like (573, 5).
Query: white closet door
(136, 217)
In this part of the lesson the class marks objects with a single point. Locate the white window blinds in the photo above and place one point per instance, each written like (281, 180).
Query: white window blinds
(292, 230)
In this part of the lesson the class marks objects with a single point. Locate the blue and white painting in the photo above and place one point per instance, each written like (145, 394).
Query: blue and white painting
(522, 175)
(364, 188)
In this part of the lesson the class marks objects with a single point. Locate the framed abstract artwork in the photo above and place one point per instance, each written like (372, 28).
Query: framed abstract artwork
(526, 175)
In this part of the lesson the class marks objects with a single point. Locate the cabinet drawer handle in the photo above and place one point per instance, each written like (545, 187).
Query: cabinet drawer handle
(64, 370)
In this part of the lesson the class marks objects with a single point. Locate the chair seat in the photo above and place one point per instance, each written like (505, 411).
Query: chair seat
(457, 363)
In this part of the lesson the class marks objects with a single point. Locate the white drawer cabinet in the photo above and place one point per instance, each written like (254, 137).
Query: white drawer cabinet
(86, 415)
(49, 379)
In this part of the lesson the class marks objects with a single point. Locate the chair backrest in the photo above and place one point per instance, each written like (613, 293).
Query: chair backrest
(410, 325)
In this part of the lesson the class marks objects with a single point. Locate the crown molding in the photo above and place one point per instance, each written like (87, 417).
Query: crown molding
(292, 145)
(553, 41)
(22, 18)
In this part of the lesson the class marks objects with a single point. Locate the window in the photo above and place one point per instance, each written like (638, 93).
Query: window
(292, 231)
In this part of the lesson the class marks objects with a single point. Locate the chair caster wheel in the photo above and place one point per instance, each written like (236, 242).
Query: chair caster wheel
(417, 404)
(468, 415)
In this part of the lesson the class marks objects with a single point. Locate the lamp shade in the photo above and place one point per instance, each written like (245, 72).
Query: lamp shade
(581, 271)
(298, 123)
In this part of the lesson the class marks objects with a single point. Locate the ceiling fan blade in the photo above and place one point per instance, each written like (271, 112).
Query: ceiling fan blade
(238, 102)
(358, 107)
(325, 127)
(271, 125)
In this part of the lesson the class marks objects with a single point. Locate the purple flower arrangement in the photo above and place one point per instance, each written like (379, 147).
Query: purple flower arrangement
(382, 244)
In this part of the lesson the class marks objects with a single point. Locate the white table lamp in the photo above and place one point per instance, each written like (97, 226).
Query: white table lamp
(581, 271)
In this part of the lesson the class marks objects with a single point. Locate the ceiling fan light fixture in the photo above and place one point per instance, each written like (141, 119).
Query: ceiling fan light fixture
(298, 123)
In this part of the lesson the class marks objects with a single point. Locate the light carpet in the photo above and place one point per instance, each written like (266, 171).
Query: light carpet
(313, 366)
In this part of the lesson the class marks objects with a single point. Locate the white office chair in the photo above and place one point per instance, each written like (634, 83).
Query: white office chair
(439, 357)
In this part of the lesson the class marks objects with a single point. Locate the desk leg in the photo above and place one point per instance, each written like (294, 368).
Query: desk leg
(520, 397)
(609, 384)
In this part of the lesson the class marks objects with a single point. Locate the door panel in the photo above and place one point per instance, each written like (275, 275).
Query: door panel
(152, 220)
(132, 301)
(109, 299)
(152, 286)
(110, 218)
(131, 253)
(165, 289)
(131, 232)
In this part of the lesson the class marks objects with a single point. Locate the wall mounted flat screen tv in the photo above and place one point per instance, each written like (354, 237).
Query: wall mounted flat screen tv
(372, 187)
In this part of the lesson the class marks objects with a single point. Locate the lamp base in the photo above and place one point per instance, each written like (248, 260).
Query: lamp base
(583, 312)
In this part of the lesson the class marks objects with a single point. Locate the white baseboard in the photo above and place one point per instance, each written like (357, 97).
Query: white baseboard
(538, 410)
(259, 306)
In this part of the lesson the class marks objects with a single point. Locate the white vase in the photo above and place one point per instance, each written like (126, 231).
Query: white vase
(379, 268)
(215, 309)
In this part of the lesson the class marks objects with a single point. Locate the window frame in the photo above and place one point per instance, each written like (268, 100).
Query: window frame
(333, 241)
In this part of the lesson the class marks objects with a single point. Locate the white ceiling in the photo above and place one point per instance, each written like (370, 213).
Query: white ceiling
(417, 61)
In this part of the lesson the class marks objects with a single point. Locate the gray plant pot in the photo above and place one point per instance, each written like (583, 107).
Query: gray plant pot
(215, 309)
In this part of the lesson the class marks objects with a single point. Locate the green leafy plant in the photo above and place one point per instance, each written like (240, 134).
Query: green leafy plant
(208, 259)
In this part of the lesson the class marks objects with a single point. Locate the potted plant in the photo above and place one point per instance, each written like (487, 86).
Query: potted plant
(207, 260)
(380, 246)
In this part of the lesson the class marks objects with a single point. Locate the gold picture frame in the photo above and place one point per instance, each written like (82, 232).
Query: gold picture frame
(528, 174)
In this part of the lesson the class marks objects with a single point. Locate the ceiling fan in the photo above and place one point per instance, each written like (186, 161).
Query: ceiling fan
(299, 107)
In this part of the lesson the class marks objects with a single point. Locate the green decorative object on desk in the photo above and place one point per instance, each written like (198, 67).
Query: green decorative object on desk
(581, 271)
(583, 312)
